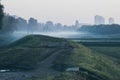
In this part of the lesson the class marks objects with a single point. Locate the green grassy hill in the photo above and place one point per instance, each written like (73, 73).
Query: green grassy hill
(96, 64)
(27, 52)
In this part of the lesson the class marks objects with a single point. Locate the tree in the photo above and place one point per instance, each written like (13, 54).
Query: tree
(9, 24)
(32, 23)
(21, 24)
(49, 26)
(1, 15)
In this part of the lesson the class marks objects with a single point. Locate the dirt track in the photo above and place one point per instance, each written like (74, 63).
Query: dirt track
(44, 68)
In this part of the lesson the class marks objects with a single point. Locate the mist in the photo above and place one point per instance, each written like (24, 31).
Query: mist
(15, 28)
(60, 34)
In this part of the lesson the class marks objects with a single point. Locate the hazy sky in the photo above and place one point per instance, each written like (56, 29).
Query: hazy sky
(64, 11)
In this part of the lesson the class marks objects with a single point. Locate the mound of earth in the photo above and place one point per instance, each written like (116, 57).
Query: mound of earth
(37, 57)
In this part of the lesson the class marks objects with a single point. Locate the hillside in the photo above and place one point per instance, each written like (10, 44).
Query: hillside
(40, 55)
(28, 47)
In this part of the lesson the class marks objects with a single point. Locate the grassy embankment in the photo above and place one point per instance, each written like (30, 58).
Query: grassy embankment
(94, 64)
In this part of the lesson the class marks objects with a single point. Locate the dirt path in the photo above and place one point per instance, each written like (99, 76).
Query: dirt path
(43, 69)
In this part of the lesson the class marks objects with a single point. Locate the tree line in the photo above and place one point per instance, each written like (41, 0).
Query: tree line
(1, 14)
(101, 29)
(10, 24)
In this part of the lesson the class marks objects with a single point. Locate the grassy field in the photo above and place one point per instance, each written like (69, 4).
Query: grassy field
(111, 51)
(91, 61)
(95, 63)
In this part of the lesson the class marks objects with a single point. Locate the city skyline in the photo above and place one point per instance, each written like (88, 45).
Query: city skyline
(63, 11)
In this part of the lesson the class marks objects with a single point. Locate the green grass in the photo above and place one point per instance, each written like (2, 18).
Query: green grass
(24, 54)
(37, 41)
(61, 76)
(92, 62)
(24, 59)
(113, 52)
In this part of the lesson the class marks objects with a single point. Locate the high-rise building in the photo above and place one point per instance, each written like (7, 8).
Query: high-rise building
(99, 20)
(77, 23)
(111, 20)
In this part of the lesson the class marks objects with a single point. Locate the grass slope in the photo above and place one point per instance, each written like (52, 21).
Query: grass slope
(100, 65)
(27, 52)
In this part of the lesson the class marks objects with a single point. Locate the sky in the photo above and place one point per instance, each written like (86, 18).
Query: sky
(64, 11)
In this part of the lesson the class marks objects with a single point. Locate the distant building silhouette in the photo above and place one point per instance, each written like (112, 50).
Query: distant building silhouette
(99, 20)
(77, 23)
(111, 20)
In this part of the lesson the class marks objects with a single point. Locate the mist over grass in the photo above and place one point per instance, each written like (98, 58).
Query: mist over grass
(60, 34)
(66, 34)
(16, 27)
